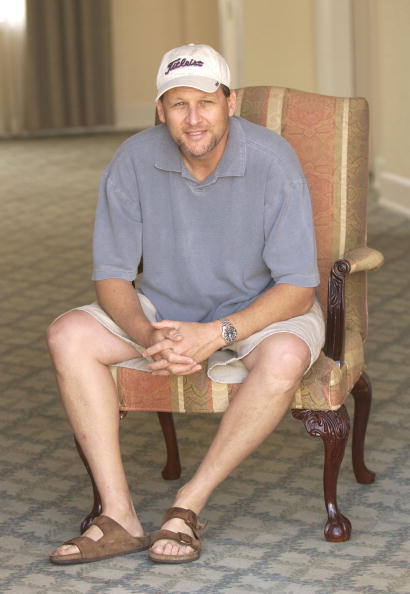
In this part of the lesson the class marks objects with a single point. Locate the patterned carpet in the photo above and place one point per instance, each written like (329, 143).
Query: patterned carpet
(266, 520)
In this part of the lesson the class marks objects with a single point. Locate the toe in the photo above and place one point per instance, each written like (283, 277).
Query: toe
(65, 550)
(158, 547)
(163, 547)
(94, 532)
(170, 549)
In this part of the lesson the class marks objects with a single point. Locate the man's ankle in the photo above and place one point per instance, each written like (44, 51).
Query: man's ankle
(120, 512)
(187, 500)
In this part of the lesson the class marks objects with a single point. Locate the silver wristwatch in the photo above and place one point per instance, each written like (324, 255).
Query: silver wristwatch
(228, 331)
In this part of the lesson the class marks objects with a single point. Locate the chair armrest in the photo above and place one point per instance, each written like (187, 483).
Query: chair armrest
(364, 258)
(356, 260)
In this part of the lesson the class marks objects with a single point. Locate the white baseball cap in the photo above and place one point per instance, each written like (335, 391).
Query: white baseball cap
(197, 66)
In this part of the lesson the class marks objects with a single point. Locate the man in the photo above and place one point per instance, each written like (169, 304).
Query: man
(220, 210)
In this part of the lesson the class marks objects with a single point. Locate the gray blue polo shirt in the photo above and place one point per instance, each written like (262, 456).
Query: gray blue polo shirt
(211, 247)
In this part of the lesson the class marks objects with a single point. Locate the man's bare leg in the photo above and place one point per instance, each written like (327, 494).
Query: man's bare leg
(276, 367)
(81, 350)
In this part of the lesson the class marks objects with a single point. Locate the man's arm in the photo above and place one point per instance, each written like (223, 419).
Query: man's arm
(118, 298)
(200, 340)
(281, 302)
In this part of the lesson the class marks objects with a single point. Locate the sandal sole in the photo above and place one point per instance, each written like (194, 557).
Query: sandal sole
(172, 559)
(61, 561)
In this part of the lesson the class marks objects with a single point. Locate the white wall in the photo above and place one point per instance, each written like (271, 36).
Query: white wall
(392, 153)
(143, 30)
(279, 43)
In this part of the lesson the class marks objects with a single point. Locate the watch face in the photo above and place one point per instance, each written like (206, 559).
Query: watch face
(229, 332)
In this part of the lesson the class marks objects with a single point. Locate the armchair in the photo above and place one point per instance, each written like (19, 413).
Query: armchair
(330, 136)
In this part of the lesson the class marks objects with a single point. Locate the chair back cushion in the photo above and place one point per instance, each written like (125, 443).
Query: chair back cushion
(330, 137)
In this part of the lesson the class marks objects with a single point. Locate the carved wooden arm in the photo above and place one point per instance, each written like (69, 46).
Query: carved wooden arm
(356, 260)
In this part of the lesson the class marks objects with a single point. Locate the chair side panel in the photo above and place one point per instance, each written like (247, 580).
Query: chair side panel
(356, 235)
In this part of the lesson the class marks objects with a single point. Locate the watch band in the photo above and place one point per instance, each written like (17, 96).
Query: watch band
(228, 331)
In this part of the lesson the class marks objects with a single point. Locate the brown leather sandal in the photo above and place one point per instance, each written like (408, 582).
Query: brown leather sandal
(191, 520)
(114, 541)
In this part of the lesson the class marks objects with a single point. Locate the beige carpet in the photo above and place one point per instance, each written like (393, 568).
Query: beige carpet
(266, 520)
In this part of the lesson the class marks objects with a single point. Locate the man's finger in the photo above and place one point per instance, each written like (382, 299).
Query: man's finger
(178, 370)
(174, 335)
(165, 324)
(174, 357)
(159, 364)
(170, 357)
(156, 348)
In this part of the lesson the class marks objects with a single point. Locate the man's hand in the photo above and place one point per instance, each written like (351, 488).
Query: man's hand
(168, 337)
(182, 346)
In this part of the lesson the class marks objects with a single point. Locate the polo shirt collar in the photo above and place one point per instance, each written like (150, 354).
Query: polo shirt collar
(233, 160)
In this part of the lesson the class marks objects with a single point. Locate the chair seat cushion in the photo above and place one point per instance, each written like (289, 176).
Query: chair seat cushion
(324, 387)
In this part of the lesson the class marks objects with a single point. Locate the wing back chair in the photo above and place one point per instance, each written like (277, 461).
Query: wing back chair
(330, 136)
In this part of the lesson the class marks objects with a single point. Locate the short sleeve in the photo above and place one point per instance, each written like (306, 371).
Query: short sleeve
(117, 243)
(290, 245)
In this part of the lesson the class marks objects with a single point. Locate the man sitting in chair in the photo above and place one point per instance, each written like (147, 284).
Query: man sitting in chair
(220, 211)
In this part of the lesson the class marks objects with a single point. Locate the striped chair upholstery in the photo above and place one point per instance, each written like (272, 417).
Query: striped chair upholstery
(330, 136)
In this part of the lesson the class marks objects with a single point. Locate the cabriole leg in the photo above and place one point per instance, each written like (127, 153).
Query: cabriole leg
(362, 394)
(172, 468)
(333, 428)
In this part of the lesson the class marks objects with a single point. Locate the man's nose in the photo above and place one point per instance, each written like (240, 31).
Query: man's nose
(193, 116)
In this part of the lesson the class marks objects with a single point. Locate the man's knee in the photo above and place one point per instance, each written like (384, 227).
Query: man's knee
(282, 360)
(67, 332)
(293, 363)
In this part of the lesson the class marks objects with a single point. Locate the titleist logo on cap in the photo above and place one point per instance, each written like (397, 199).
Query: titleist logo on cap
(180, 62)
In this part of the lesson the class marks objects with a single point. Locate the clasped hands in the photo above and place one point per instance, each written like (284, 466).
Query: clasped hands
(178, 348)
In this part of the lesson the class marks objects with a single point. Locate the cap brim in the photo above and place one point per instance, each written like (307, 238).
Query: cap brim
(208, 85)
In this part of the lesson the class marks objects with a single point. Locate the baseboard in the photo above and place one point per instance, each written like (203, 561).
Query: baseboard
(394, 192)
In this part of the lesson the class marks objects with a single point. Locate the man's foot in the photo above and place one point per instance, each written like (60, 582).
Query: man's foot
(178, 540)
(104, 538)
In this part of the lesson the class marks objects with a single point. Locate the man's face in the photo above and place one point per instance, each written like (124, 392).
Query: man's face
(197, 121)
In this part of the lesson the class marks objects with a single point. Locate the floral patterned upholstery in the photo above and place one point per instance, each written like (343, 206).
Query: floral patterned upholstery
(330, 136)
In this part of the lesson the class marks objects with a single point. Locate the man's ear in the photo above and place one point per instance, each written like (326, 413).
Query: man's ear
(232, 103)
(160, 111)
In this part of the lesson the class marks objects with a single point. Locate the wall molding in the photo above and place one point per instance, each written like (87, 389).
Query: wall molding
(231, 38)
(334, 47)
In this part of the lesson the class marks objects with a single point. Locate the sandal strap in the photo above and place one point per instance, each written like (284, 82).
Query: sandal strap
(113, 532)
(85, 545)
(109, 526)
(187, 515)
(114, 535)
(180, 537)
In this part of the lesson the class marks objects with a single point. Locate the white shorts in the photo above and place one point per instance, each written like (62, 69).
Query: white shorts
(225, 366)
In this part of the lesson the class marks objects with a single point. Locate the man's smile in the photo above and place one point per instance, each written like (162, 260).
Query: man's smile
(195, 133)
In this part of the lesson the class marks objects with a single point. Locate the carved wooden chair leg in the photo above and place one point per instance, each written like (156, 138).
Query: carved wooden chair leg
(96, 509)
(333, 428)
(362, 394)
(172, 468)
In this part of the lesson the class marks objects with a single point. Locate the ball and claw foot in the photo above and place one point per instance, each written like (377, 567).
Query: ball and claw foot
(338, 528)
